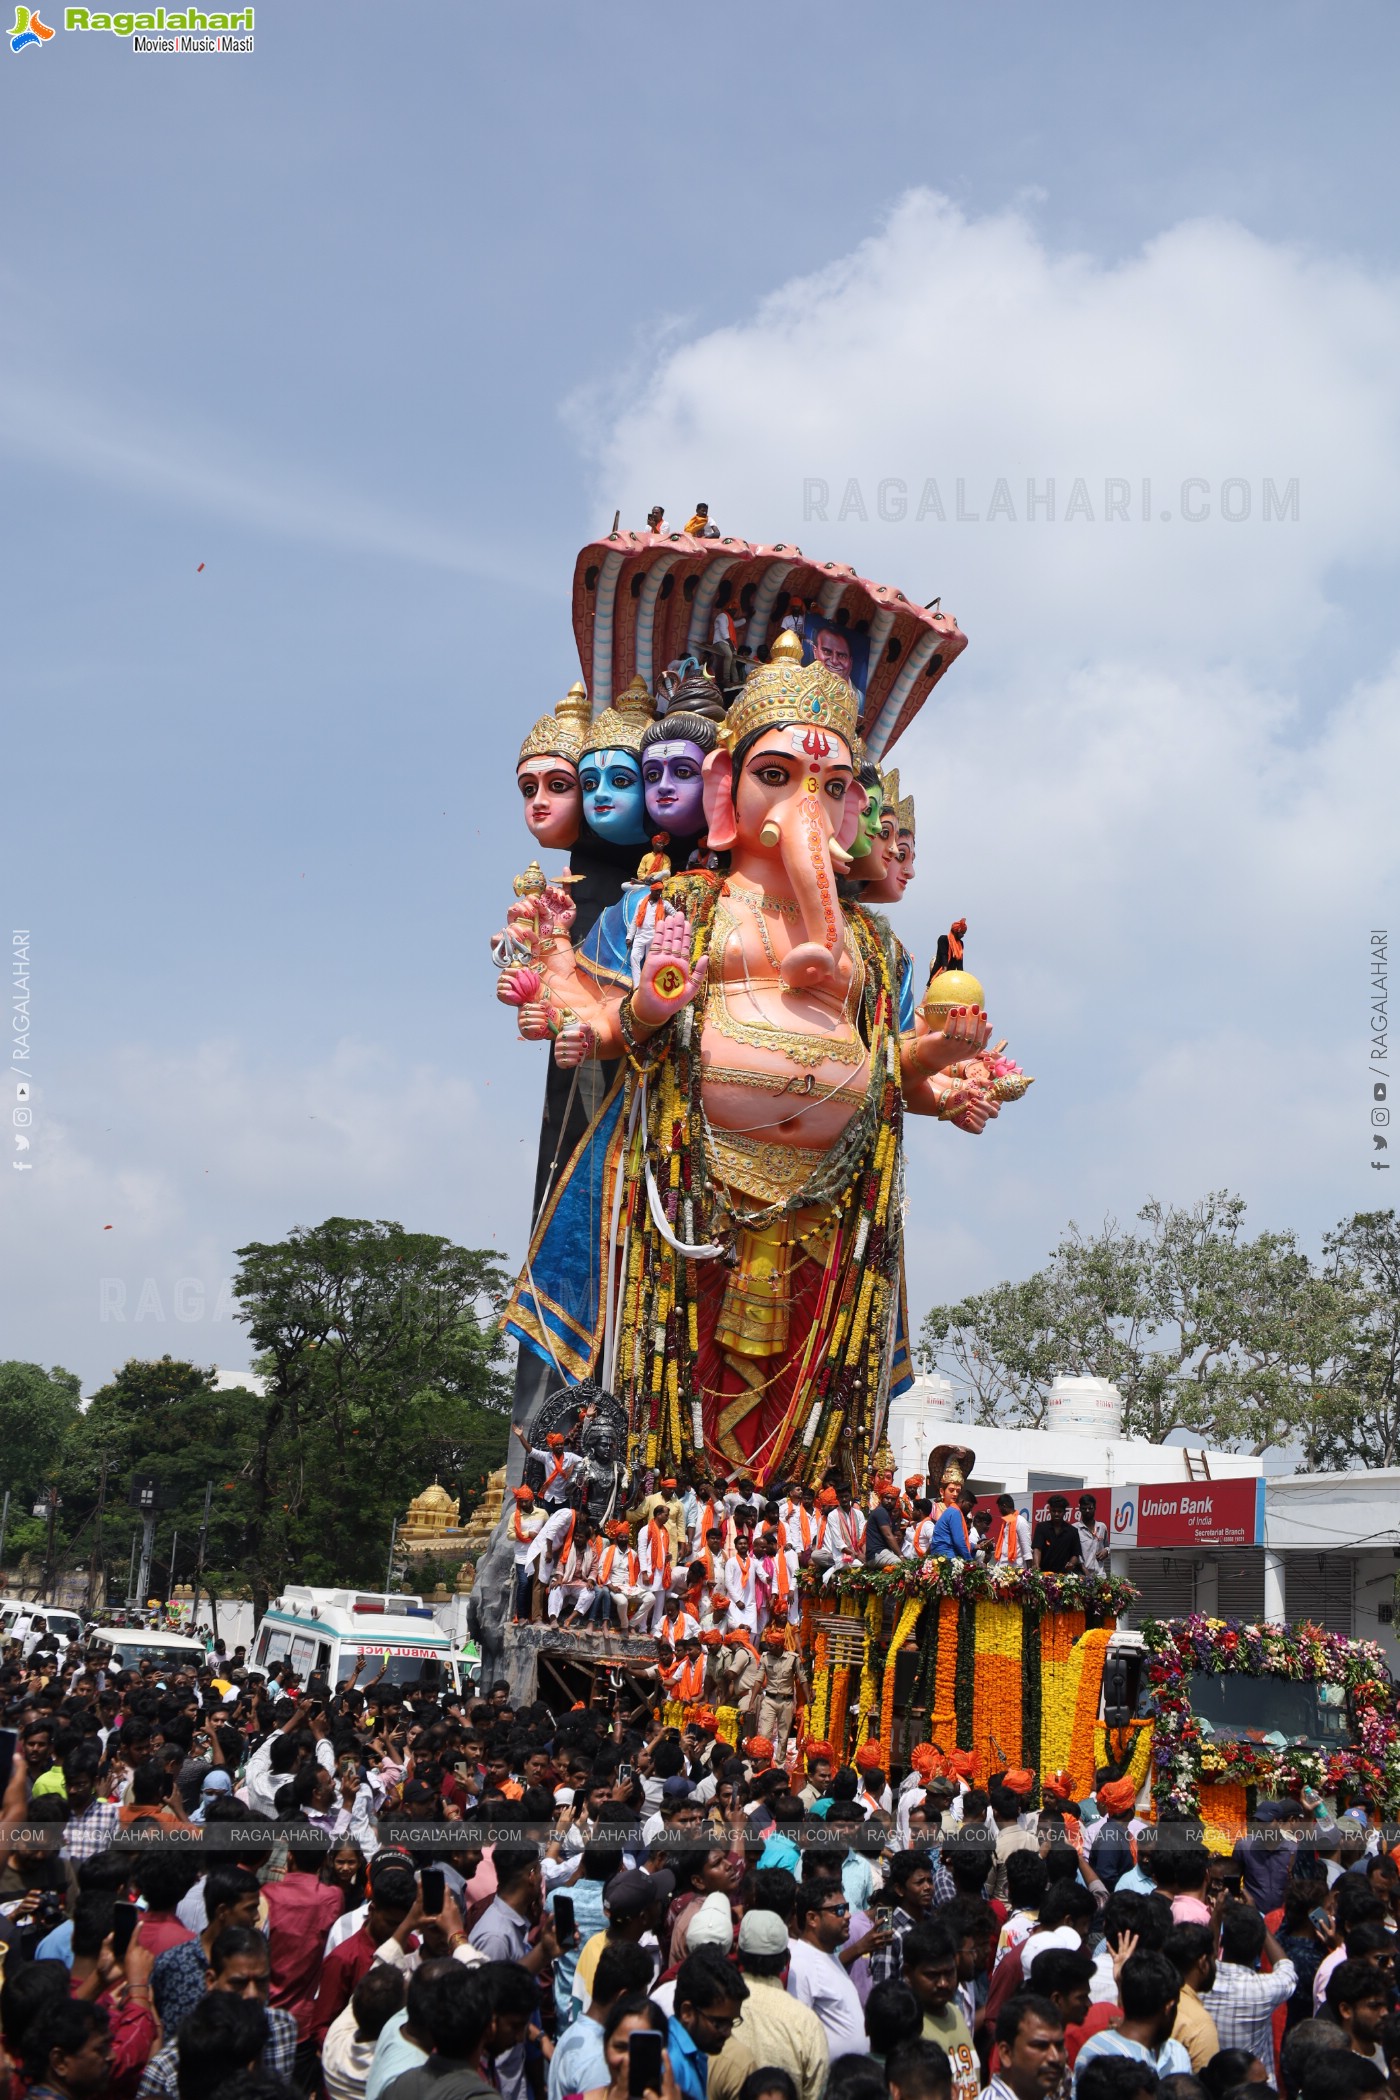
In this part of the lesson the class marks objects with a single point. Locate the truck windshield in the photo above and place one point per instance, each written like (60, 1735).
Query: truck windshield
(1239, 1706)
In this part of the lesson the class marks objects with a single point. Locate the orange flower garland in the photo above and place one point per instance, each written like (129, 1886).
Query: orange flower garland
(1223, 1812)
(996, 1687)
(943, 1717)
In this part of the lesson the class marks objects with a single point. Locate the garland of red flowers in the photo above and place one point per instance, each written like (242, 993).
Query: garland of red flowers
(1185, 1762)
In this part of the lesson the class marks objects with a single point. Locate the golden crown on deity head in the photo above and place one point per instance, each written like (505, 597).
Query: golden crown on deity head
(890, 781)
(904, 814)
(619, 727)
(785, 692)
(560, 734)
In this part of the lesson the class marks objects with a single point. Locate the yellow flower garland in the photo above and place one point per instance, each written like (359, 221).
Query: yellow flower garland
(1059, 1687)
(869, 1696)
(904, 1627)
(1139, 1764)
(996, 1693)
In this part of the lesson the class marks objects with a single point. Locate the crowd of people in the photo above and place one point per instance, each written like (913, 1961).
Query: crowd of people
(224, 1883)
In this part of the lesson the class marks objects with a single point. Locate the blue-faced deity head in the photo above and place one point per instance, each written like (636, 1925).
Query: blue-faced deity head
(611, 780)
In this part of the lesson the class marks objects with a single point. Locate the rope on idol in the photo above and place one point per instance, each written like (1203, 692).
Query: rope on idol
(534, 1222)
(617, 1266)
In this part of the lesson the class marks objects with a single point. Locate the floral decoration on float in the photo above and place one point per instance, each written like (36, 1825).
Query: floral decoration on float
(1197, 1773)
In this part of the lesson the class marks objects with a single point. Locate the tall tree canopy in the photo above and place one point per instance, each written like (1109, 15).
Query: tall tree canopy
(381, 1365)
(1238, 1340)
(382, 1360)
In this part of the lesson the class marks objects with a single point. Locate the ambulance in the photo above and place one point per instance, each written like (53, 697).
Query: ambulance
(395, 1639)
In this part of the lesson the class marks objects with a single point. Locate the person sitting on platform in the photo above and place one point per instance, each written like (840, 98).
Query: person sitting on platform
(980, 1536)
(620, 1574)
(950, 1533)
(551, 1545)
(843, 1530)
(575, 1586)
(882, 1539)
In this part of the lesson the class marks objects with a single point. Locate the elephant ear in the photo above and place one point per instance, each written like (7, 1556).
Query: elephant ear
(717, 794)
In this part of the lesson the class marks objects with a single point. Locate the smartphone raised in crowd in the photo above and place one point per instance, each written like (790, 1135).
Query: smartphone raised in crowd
(643, 2061)
(626, 1774)
(434, 1884)
(565, 1930)
(125, 1918)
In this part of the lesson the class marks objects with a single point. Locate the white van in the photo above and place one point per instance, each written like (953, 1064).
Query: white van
(130, 1645)
(329, 1630)
(66, 1624)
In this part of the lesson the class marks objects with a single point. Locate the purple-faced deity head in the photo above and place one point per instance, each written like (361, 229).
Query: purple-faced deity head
(673, 751)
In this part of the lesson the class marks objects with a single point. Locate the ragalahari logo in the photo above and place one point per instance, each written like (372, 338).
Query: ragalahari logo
(28, 29)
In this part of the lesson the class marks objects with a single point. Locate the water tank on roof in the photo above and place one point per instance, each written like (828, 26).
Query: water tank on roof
(1085, 1407)
(931, 1399)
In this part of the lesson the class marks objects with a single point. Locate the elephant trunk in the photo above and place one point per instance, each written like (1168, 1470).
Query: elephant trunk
(806, 849)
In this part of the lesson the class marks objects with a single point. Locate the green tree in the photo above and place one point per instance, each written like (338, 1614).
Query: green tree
(1356, 1418)
(383, 1360)
(1236, 1340)
(38, 1412)
(164, 1420)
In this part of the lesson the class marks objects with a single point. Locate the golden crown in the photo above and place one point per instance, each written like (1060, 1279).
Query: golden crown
(904, 814)
(890, 781)
(560, 734)
(785, 691)
(619, 727)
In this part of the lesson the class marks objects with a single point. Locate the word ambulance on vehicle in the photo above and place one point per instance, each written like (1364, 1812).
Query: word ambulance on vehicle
(327, 1631)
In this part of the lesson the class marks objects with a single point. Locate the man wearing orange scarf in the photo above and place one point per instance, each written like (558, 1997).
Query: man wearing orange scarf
(741, 1575)
(802, 1523)
(777, 1560)
(843, 1529)
(654, 1547)
(620, 1572)
(1011, 1536)
(781, 1680)
(526, 1525)
(560, 1466)
(918, 1539)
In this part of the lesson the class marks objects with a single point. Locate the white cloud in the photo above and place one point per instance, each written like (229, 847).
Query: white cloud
(967, 351)
(187, 1157)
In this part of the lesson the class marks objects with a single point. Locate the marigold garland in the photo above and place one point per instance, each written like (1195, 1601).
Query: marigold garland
(727, 1725)
(996, 1696)
(840, 1691)
(943, 1719)
(1224, 1814)
(821, 1688)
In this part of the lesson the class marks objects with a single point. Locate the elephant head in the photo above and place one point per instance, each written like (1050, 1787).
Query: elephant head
(786, 810)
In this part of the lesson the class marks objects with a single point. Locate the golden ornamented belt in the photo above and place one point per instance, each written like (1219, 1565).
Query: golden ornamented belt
(757, 1168)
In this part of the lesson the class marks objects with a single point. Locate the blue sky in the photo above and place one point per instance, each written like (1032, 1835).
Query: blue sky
(380, 323)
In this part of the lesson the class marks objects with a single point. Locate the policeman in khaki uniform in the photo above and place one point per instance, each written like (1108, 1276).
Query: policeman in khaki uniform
(781, 1677)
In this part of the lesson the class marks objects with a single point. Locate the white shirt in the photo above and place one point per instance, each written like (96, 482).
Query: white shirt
(819, 1980)
(543, 1550)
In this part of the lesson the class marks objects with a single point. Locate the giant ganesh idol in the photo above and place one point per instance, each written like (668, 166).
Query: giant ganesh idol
(723, 1250)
